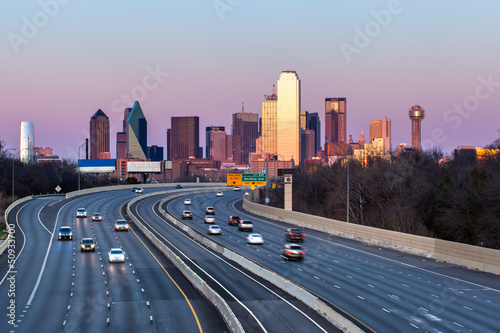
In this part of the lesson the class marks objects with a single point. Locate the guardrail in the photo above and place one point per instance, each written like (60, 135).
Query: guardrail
(284, 284)
(131, 186)
(6, 242)
(227, 314)
(469, 256)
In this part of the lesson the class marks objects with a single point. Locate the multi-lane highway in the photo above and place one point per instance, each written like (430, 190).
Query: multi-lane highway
(59, 288)
(382, 290)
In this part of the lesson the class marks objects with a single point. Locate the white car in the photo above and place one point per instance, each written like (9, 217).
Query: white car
(81, 212)
(220, 194)
(187, 201)
(255, 239)
(137, 190)
(209, 219)
(214, 230)
(236, 188)
(116, 255)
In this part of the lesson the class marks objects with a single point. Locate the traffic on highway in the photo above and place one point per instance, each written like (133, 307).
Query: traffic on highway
(82, 264)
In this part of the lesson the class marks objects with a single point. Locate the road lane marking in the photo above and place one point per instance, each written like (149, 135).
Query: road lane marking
(384, 309)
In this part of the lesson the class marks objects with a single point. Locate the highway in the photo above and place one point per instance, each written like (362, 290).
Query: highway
(59, 288)
(383, 290)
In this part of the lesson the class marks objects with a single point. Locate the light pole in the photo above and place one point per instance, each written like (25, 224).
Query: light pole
(347, 158)
(78, 164)
(13, 173)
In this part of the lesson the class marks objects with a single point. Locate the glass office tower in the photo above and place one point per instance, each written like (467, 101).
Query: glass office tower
(26, 142)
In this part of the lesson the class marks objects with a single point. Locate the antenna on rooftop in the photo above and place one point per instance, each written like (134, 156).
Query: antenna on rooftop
(242, 106)
(274, 89)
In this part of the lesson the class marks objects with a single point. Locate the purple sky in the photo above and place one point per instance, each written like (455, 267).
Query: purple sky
(62, 61)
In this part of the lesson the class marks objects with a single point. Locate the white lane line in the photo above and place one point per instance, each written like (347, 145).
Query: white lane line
(237, 269)
(337, 286)
(466, 307)
(434, 295)
(406, 285)
(46, 257)
(22, 248)
(458, 324)
(424, 309)
(369, 285)
(394, 296)
(414, 325)
(40, 220)
(317, 278)
(384, 309)
(360, 297)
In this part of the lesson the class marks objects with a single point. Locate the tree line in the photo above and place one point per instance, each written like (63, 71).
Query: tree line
(419, 192)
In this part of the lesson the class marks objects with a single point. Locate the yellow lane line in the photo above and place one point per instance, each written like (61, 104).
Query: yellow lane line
(170, 277)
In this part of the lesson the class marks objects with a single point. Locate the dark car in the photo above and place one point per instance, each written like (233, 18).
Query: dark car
(294, 235)
(87, 244)
(234, 220)
(65, 233)
(292, 251)
(96, 217)
(178, 186)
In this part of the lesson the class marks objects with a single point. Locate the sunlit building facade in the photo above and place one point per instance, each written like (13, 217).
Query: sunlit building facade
(26, 142)
(288, 116)
(269, 128)
(381, 129)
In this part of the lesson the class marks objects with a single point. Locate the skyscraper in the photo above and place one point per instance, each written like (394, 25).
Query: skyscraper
(270, 123)
(245, 129)
(215, 138)
(315, 124)
(26, 142)
(288, 116)
(416, 114)
(381, 129)
(99, 134)
(335, 120)
(184, 137)
(137, 133)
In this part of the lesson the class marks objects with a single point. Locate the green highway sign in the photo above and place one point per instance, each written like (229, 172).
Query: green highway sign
(253, 179)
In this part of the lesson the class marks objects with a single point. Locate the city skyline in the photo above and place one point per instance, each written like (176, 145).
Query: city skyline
(381, 56)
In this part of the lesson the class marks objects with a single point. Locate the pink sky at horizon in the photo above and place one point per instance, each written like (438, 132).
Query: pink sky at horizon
(439, 59)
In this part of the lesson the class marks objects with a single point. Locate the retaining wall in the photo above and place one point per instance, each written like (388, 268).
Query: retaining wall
(469, 256)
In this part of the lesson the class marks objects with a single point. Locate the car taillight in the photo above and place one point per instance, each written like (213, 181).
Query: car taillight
(303, 235)
(302, 252)
(291, 235)
(288, 252)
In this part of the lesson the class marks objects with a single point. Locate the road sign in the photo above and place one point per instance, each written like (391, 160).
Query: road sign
(58, 188)
(253, 179)
(233, 179)
(263, 171)
(267, 200)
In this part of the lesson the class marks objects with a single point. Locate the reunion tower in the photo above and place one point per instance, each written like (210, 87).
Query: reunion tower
(416, 114)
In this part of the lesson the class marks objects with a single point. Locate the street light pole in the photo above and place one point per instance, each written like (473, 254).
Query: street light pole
(13, 173)
(78, 165)
(347, 190)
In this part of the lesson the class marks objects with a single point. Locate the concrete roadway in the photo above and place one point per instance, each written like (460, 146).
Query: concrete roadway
(82, 292)
(259, 306)
(385, 291)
